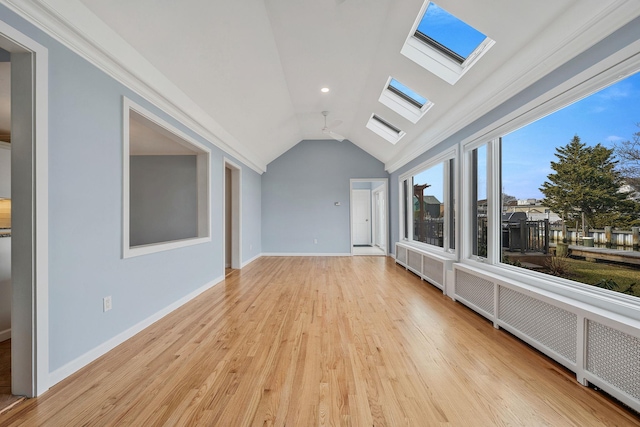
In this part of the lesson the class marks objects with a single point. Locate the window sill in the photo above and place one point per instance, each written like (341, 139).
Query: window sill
(163, 246)
(429, 250)
(609, 304)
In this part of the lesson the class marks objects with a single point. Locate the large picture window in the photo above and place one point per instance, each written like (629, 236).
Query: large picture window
(570, 193)
(428, 205)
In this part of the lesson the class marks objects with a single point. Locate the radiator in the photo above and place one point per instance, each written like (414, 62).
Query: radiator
(550, 326)
(476, 292)
(606, 355)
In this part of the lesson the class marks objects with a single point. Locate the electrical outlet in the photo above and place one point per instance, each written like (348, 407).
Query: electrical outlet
(315, 241)
(106, 304)
(250, 247)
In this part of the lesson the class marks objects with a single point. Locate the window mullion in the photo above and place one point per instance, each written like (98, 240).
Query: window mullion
(494, 216)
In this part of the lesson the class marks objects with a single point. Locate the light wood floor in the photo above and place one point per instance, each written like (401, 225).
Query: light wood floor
(321, 341)
(6, 399)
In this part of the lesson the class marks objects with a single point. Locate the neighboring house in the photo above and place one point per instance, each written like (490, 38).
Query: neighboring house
(431, 206)
(634, 192)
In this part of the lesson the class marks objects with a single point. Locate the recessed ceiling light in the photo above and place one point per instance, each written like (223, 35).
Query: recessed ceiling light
(324, 90)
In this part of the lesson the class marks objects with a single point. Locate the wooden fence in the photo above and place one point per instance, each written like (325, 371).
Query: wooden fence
(607, 236)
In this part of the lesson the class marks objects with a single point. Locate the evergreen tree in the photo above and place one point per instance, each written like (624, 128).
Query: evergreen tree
(585, 179)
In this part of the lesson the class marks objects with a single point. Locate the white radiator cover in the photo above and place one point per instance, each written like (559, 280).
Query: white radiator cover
(550, 326)
(476, 292)
(599, 346)
(595, 344)
(613, 360)
(428, 266)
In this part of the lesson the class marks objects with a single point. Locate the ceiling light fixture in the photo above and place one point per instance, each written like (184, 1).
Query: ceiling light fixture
(324, 90)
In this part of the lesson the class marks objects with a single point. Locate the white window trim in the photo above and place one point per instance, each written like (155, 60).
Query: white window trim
(446, 251)
(203, 177)
(401, 105)
(437, 62)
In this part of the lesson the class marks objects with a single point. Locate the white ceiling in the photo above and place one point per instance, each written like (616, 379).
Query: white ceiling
(255, 68)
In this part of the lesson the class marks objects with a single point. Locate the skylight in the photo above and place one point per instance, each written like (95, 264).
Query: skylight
(448, 34)
(444, 44)
(404, 101)
(384, 129)
(406, 93)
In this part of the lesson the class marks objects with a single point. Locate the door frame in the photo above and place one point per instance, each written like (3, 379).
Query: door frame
(385, 193)
(30, 198)
(376, 216)
(236, 214)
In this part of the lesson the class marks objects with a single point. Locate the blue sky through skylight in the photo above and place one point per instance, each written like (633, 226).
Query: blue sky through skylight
(449, 31)
(408, 92)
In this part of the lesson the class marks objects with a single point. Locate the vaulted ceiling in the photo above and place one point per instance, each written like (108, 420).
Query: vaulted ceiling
(249, 72)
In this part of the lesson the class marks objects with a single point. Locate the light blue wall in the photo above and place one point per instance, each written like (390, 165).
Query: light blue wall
(251, 214)
(299, 191)
(85, 213)
(164, 199)
(618, 40)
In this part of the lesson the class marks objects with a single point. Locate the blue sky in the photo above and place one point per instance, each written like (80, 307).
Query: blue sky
(435, 177)
(605, 117)
(449, 31)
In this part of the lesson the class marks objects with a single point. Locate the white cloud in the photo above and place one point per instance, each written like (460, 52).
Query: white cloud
(616, 92)
(614, 138)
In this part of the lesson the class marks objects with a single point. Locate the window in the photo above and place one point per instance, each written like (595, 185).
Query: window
(406, 93)
(166, 185)
(384, 129)
(404, 101)
(570, 183)
(428, 204)
(444, 44)
(448, 34)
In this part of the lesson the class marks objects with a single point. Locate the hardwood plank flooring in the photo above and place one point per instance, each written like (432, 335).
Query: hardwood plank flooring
(6, 399)
(344, 341)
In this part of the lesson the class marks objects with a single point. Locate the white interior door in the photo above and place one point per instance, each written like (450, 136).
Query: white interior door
(361, 208)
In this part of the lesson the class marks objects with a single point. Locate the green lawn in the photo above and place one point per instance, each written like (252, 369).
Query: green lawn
(592, 273)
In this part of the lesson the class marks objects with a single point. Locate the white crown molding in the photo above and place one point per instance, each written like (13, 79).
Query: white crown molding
(525, 69)
(75, 26)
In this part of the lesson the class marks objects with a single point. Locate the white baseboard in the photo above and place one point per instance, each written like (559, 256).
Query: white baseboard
(5, 335)
(305, 254)
(80, 362)
(249, 261)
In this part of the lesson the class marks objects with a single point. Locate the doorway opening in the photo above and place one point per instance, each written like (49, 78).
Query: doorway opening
(24, 170)
(232, 216)
(6, 398)
(369, 216)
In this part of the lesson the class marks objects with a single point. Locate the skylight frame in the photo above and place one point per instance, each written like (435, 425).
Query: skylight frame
(437, 58)
(385, 129)
(402, 103)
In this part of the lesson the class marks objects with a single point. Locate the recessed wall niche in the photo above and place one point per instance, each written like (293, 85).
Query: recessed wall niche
(166, 185)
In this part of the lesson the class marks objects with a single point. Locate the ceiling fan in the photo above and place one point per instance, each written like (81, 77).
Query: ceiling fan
(328, 131)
